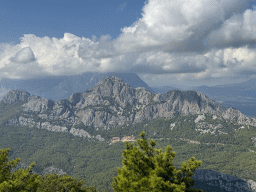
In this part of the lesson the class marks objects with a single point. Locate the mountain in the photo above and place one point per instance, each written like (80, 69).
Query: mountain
(82, 135)
(238, 95)
(61, 87)
(113, 103)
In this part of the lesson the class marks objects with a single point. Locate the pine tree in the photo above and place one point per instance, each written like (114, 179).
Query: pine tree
(148, 169)
(54, 183)
(24, 180)
(12, 179)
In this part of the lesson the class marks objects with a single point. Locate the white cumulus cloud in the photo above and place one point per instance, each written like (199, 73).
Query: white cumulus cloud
(179, 39)
(25, 55)
(237, 31)
(178, 25)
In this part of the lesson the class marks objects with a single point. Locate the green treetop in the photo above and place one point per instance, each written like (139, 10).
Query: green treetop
(12, 179)
(24, 180)
(148, 169)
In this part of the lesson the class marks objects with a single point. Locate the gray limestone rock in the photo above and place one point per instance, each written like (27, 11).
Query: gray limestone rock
(99, 138)
(254, 141)
(14, 96)
(236, 116)
(38, 104)
(51, 170)
(112, 103)
(79, 132)
(50, 127)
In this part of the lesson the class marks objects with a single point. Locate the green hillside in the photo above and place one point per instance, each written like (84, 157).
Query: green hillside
(95, 162)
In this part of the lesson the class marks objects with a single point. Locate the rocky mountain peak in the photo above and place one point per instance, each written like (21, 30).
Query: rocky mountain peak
(113, 86)
(14, 96)
(110, 88)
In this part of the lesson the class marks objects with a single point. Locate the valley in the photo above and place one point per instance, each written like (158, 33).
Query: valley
(84, 135)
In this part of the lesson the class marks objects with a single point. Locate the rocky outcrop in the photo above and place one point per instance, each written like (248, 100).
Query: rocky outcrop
(79, 132)
(99, 138)
(199, 118)
(55, 170)
(14, 96)
(209, 178)
(38, 105)
(254, 141)
(50, 127)
(236, 116)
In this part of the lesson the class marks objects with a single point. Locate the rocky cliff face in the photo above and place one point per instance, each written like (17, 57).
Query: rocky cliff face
(14, 96)
(208, 178)
(113, 103)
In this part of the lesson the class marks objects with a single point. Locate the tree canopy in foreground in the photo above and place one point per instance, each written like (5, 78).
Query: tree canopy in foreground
(148, 169)
(23, 180)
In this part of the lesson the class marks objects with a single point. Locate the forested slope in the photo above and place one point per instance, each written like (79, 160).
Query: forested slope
(82, 136)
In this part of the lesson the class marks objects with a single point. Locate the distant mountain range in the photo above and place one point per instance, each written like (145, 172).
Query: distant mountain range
(164, 89)
(241, 96)
(61, 87)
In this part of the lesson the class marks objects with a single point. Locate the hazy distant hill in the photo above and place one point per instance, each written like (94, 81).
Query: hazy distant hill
(61, 87)
(241, 96)
(164, 89)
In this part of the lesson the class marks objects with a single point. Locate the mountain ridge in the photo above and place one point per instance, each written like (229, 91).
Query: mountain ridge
(112, 102)
(238, 95)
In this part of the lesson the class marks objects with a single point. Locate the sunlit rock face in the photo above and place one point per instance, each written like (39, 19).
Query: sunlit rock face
(112, 102)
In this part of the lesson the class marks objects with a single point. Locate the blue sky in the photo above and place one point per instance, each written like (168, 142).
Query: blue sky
(195, 42)
(79, 17)
(53, 18)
